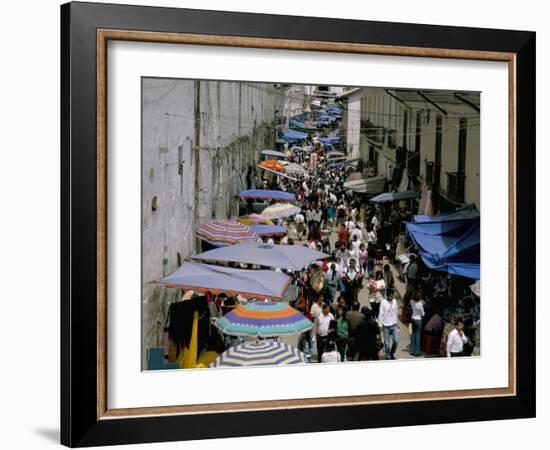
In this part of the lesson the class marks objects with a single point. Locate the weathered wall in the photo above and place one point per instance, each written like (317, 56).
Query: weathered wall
(235, 123)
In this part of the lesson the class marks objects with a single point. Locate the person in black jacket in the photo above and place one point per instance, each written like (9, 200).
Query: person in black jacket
(367, 338)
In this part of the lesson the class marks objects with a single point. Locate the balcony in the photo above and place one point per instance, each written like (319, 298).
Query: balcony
(455, 186)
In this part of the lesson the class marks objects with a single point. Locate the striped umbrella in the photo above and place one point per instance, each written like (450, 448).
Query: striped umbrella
(263, 319)
(262, 353)
(280, 210)
(227, 232)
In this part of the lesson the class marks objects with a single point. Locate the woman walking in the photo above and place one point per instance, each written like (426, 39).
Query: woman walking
(417, 308)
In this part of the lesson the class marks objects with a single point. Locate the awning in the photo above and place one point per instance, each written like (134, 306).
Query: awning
(330, 140)
(218, 279)
(394, 196)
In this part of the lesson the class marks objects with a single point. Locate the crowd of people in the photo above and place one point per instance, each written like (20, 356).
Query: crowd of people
(360, 239)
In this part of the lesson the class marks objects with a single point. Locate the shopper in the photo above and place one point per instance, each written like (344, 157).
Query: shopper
(388, 318)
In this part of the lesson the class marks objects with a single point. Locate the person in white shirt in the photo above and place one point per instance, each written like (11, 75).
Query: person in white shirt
(300, 228)
(456, 340)
(388, 317)
(321, 329)
(317, 307)
(417, 309)
(374, 222)
(350, 224)
(356, 232)
(355, 244)
(352, 279)
(330, 355)
(270, 241)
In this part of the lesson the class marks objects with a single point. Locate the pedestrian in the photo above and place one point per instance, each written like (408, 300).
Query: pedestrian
(300, 229)
(321, 329)
(412, 278)
(330, 355)
(367, 338)
(352, 280)
(331, 280)
(343, 235)
(456, 340)
(342, 332)
(363, 255)
(388, 317)
(417, 308)
(388, 277)
(355, 317)
(377, 287)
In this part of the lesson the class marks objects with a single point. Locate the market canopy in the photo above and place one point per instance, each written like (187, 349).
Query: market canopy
(294, 123)
(272, 164)
(330, 140)
(227, 280)
(342, 163)
(274, 153)
(255, 219)
(292, 135)
(394, 196)
(291, 257)
(225, 232)
(335, 154)
(452, 246)
(266, 194)
(294, 168)
(262, 353)
(263, 319)
(280, 211)
(268, 230)
(367, 185)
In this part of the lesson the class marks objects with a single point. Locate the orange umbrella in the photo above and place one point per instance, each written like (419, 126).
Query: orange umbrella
(273, 165)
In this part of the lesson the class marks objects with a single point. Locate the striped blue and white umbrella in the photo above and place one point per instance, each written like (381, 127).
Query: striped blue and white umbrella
(262, 353)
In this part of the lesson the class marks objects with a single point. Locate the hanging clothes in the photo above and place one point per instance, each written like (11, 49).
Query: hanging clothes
(188, 357)
(180, 320)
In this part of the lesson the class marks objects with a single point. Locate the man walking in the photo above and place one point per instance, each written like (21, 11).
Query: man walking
(456, 340)
(321, 329)
(388, 317)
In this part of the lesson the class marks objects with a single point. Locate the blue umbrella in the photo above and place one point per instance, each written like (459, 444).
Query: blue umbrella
(218, 279)
(291, 257)
(265, 194)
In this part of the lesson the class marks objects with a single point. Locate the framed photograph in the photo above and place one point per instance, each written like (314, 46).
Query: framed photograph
(279, 224)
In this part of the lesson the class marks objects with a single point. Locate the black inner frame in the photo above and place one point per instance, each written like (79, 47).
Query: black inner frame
(79, 424)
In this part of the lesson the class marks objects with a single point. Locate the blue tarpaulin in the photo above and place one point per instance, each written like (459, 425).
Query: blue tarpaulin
(292, 135)
(449, 242)
(300, 125)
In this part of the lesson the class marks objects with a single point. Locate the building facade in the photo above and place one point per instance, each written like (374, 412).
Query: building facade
(198, 140)
(414, 137)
